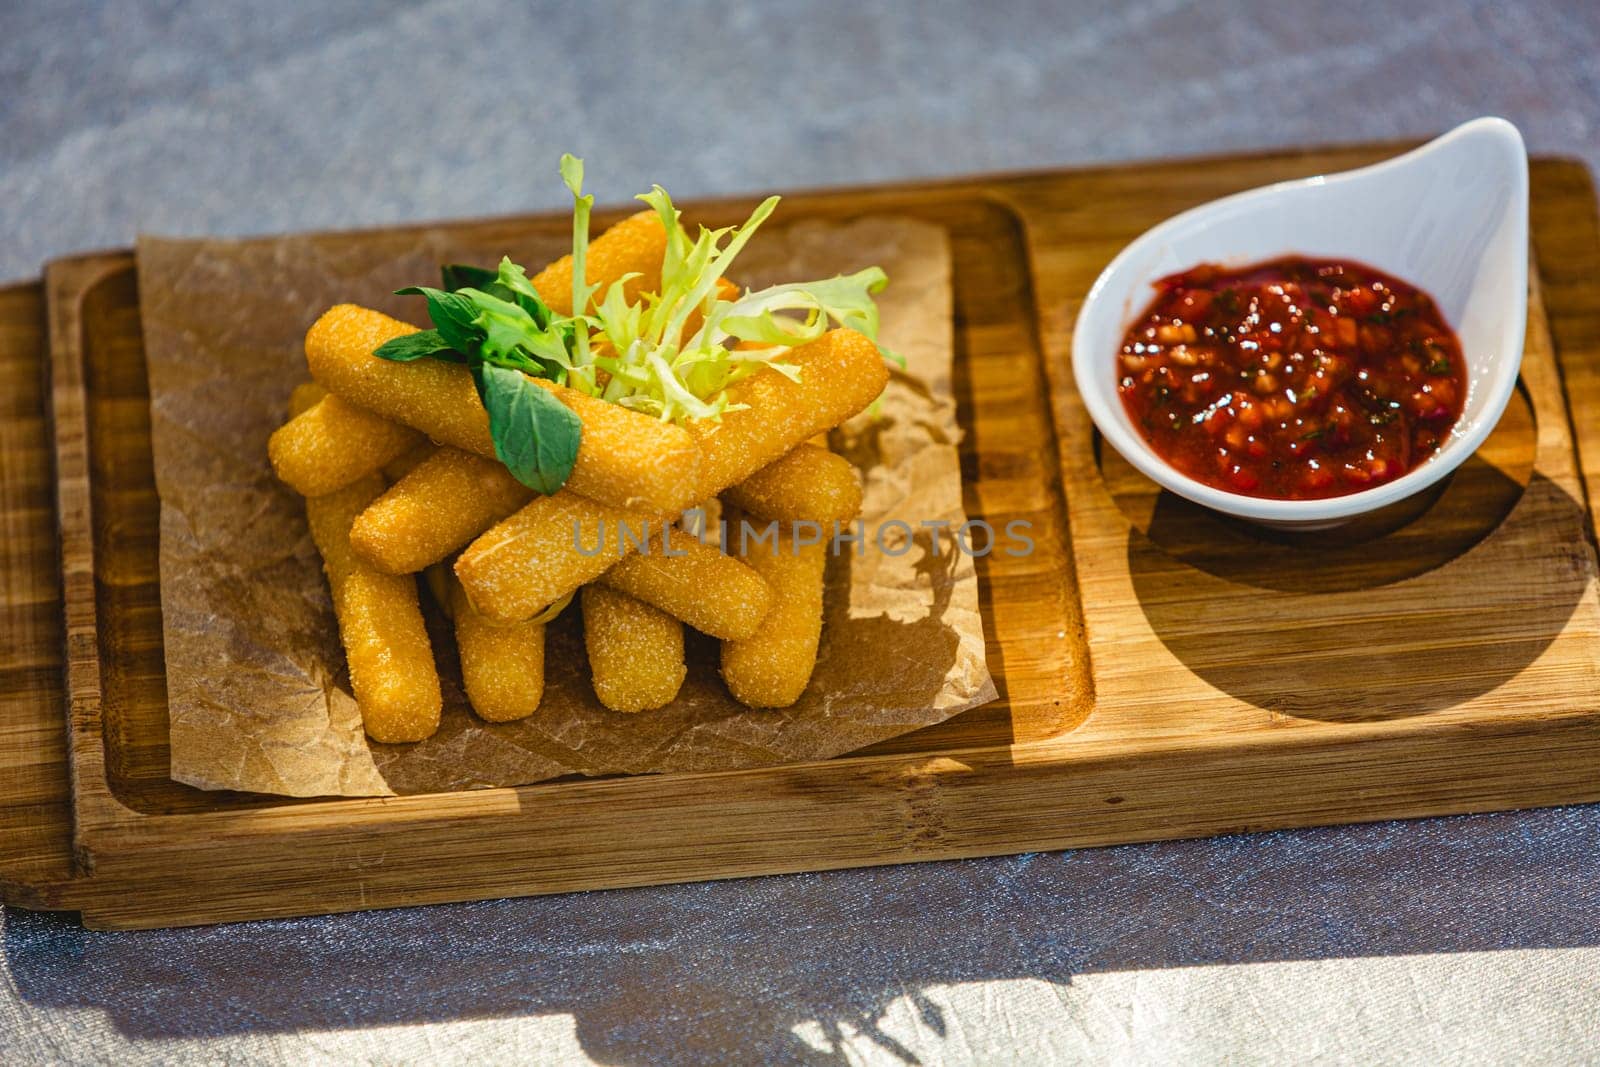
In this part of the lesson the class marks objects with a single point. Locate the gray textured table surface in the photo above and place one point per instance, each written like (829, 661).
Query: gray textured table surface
(1472, 938)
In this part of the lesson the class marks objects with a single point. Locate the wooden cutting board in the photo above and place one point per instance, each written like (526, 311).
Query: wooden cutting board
(1163, 673)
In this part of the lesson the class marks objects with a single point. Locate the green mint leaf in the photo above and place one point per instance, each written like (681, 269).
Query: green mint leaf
(511, 283)
(453, 316)
(535, 435)
(415, 346)
(511, 338)
(493, 317)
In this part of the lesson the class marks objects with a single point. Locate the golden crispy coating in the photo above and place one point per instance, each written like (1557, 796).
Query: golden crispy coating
(332, 444)
(305, 397)
(408, 461)
(502, 665)
(545, 551)
(713, 592)
(841, 373)
(450, 498)
(330, 528)
(635, 650)
(436, 397)
(809, 483)
(528, 560)
(629, 459)
(385, 642)
(625, 458)
(637, 244)
(772, 668)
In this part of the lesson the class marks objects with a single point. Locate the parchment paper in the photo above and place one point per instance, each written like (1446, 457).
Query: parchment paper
(258, 696)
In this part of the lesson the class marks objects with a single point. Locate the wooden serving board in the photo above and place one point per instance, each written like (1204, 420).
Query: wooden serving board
(1163, 673)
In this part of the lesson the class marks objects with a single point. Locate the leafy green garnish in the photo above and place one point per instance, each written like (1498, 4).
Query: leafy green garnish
(418, 346)
(453, 316)
(495, 323)
(672, 353)
(542, 453)
(659, 366)
(572, 177)
(509, 283)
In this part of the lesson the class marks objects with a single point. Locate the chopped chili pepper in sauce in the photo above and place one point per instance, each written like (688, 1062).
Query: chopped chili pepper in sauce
(1292, 379)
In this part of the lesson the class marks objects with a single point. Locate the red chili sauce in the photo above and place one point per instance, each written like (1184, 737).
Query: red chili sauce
(1294, 379)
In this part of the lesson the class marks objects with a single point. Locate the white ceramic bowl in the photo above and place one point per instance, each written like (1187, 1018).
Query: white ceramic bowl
(1450, 217)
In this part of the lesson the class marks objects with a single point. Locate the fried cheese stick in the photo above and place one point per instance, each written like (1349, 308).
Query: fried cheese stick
(305, 397)
(771, 668)
(636, 245)
(635, 650)
(502, 665)
(696, 583)
(333, 443)
(407, 462)
(528, 560)
(447, 500)
(808, 484)
(841, 373)
(380, 623)
(625, 458)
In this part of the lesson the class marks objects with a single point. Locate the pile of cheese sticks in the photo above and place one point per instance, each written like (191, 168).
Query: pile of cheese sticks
(400, 476)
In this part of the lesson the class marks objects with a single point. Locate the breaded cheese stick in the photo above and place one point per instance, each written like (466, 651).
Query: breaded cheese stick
(502, 665)
(380, 623)
(408, 461)
(625, 458)
(545, 551)
(635, 650)
(628, 459)
(773, 667)
(697, 584)
(809, 484)
(841, 373)
(450, 498)
(636, 245)
(525, 562)
(433, 396)
(332, 444)
(305, 397)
